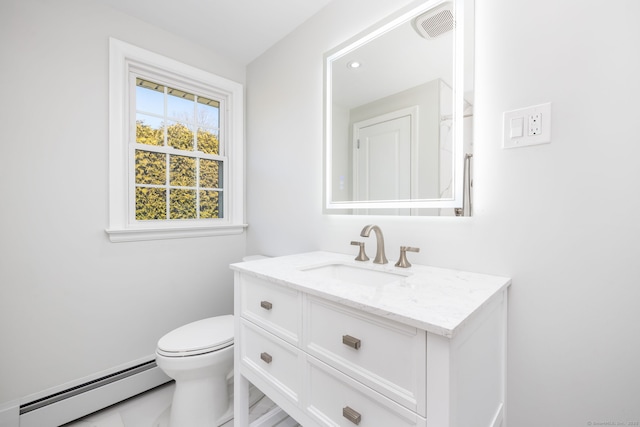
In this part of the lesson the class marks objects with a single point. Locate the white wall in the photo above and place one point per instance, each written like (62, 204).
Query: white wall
(560, 219)
(71, 302)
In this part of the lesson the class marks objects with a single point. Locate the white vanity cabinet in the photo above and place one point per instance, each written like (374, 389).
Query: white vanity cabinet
(331, 353)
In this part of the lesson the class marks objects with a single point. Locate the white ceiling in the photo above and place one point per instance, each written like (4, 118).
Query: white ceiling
(238, 29)
(397, 60)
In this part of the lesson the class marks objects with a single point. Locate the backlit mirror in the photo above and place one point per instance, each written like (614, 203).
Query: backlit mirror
(399, 112)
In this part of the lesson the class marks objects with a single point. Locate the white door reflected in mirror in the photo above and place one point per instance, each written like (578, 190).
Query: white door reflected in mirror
(382, 157)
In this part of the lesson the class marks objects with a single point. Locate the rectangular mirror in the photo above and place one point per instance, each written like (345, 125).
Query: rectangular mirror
(398, 114)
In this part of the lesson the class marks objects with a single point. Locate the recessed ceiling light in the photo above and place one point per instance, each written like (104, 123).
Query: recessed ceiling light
(354, 64)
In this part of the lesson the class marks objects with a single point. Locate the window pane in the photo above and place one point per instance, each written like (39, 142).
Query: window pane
(208, 141)
(180, 136)
(209, 173)
(149, 97)
(150, 168)
(151, 203)
(182, 171)
(182, 204)
(209, 206)
(208, 113)
(149, 130)
(180, 105)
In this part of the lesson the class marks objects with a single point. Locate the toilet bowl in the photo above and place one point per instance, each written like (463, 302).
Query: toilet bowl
(199, 357)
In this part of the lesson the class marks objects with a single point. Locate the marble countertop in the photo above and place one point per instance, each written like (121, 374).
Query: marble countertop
(435, 299)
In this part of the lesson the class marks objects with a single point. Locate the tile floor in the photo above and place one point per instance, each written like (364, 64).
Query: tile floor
(151, 409)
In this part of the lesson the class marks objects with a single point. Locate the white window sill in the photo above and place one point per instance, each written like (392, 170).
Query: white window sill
(161, 233)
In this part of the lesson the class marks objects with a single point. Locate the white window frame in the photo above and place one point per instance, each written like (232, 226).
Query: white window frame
(125, 59)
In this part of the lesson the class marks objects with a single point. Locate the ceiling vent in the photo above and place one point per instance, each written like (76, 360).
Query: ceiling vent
(435, 22)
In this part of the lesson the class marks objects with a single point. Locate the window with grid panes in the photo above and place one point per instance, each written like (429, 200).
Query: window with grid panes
(179, 145)
(179, 161)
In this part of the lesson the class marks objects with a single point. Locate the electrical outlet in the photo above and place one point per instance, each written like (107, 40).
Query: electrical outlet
(535, 120)
(535, 124)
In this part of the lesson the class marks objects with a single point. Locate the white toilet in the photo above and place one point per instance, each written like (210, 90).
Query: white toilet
(199, 357)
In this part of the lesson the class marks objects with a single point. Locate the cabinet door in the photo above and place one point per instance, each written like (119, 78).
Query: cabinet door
(385, 355)
(335, 399)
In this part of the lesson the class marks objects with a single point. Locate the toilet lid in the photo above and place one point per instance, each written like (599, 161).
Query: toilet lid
(202, 336)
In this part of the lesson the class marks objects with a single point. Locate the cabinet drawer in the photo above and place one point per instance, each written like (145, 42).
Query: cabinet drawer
(337, 400)
(275, 308)
(276, 361)
(385, 355)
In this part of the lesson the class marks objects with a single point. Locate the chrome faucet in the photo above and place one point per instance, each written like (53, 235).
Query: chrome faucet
(380, 256)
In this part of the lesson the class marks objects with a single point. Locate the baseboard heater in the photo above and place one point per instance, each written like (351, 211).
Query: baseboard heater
(90, 396)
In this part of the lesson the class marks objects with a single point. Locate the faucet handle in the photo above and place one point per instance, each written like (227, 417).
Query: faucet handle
(362, 256)
(403, 262)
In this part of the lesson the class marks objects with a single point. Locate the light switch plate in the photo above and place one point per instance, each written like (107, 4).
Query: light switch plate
(516, 127)
(537, 120)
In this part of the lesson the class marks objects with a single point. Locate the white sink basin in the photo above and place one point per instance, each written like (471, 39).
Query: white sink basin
(355, 274)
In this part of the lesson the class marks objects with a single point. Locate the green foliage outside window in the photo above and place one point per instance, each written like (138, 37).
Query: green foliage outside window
(151, 203)
(151, 170)
(180, 136)
(209, 173)
(208, 142)
(209, 204)
(182, 204)
(148, 135)
(182, 171)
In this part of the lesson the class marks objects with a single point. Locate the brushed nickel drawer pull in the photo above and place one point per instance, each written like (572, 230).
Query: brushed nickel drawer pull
(266, 305)
(351, 341)
(266, 357)
(351, 415)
